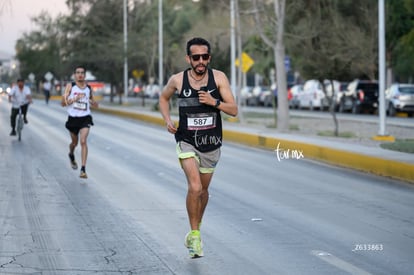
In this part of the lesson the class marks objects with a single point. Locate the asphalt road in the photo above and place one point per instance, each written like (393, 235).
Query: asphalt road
(266, 215)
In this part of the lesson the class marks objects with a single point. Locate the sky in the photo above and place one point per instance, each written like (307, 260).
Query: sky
(15, 19)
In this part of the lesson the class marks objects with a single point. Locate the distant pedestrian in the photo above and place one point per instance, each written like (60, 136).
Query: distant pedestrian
(47, 86)
(202, 94)
(78, 97)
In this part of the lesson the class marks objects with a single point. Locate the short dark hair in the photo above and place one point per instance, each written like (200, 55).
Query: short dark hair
(20, 80)
(80, 67)
(197, 41)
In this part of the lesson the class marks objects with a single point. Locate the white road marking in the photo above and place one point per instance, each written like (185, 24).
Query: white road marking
(341, 264)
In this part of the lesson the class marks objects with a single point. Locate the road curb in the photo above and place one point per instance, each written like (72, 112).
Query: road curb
(294, 149)
(357, 161)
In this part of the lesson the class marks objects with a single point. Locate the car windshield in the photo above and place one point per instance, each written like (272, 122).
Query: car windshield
(407, 90)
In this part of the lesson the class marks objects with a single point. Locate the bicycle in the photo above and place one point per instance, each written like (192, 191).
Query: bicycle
(20, 123)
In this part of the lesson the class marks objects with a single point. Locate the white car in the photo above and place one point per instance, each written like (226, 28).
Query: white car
(293, 95)
(4, 88)
(245, 94)
(312, 96)
(335, 93)
(400, 98)
(257, 96)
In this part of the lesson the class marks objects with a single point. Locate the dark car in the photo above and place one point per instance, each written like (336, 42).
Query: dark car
(360, 96)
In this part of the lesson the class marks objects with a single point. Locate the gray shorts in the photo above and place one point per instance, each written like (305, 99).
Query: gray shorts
(207, 160)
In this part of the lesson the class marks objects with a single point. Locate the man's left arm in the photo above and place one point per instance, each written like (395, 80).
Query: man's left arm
(228, 104)
(29, 96)
(92, 101)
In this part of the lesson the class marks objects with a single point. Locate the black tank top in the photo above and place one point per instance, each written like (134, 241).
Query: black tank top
(199, 124)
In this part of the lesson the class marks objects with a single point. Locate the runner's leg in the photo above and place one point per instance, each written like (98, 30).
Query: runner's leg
(193, 200)
(84, 132)
(205, 183)
(73, 143)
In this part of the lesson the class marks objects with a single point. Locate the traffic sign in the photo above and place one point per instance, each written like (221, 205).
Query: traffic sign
(138, 73)
(48, 76)
(287, 63)
(247, 62)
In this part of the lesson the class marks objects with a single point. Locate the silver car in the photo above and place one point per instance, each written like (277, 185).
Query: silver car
(400, 98)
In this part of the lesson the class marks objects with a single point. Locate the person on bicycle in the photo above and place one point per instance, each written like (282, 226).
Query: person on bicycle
(20, 96)
(78, 98)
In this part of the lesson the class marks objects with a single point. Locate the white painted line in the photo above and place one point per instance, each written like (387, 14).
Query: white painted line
(341, 264)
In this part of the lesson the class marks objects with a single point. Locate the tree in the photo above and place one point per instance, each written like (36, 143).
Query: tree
(272, 33)
(400, 38)
(40, 51)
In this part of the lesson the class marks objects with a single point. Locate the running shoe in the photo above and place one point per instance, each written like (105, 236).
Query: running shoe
(73, 161)
(195, 250)
(83, 175)
(187, 238)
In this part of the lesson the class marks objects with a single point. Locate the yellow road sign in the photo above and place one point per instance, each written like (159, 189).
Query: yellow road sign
(138, 73)
(247, 62)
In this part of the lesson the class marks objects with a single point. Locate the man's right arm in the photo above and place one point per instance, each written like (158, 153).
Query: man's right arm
(164, 102)
(11, 94)
(65, 100)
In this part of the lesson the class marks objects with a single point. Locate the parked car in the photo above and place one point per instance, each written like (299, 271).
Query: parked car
(245, 94)
(312, 96)
(268, 96)
(359, 96)
(4, 88)
(400, 98)
(258, 95)
(293, 94)
(152, 91)
(335, 92)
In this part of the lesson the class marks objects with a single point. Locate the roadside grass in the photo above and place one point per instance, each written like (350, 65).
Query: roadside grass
(400, 145)
(346, 134)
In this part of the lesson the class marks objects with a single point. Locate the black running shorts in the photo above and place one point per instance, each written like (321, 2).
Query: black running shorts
(74, 124)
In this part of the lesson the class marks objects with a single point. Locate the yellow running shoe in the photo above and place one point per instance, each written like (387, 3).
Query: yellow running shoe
(194, 240)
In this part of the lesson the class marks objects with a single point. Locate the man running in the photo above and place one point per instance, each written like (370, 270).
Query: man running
(78, 98)
(202, 94)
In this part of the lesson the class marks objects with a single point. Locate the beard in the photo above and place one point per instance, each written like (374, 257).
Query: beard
(200, 69)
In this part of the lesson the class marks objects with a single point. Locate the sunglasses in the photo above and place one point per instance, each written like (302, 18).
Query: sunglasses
(196, 57)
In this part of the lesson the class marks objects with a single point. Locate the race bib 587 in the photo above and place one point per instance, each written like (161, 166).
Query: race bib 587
(201, 121)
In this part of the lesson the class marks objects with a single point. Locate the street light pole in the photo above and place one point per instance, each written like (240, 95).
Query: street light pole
(232, 46)
(382, 136)
(160, 46)
(125, 52)
(381, 46)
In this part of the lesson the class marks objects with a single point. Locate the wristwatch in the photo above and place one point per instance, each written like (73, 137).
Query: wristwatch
(217, 103)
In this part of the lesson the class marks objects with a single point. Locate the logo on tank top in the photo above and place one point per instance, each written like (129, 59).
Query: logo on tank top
(187, 93)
